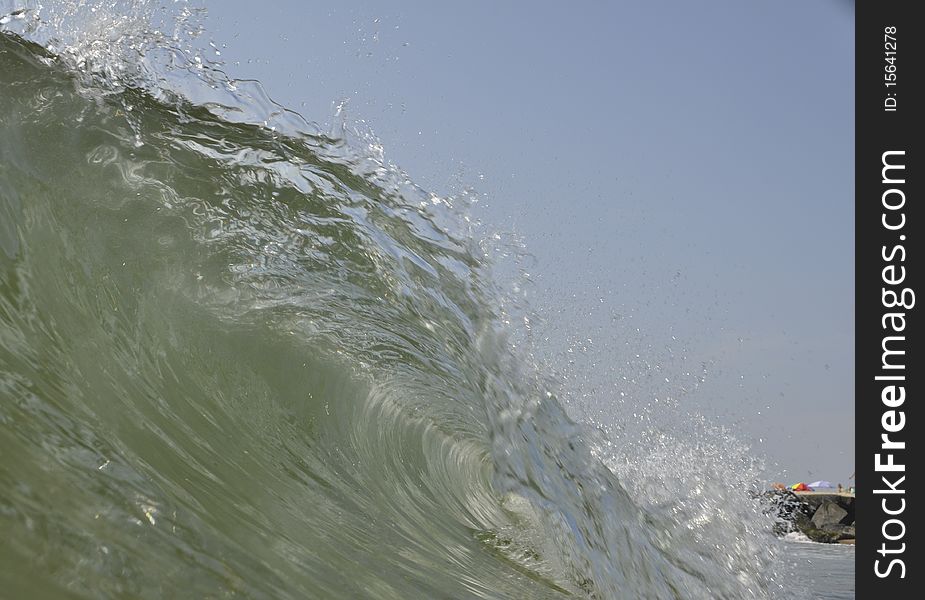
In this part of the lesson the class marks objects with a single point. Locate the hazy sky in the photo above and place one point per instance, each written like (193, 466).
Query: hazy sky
(682, 172)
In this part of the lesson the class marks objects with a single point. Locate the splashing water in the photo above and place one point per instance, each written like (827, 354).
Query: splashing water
(241, 357)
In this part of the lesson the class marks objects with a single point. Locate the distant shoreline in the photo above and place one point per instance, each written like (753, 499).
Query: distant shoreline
(823, 493)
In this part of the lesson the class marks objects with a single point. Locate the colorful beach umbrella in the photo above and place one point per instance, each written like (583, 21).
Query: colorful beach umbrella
(820, 484)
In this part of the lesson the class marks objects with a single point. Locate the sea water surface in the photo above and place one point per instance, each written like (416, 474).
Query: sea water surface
(826, 570)
(241, 357)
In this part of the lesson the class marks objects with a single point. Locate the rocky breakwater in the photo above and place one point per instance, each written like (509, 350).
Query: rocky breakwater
(826, 517)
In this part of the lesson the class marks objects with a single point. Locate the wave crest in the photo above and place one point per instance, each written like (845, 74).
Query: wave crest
(261, 360)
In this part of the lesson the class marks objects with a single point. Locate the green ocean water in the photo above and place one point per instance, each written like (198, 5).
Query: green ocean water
(241, 358)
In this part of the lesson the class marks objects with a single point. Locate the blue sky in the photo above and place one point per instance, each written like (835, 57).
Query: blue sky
(682, 172)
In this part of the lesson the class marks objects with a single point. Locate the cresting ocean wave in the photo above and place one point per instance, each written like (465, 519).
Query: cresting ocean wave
(243, 358)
